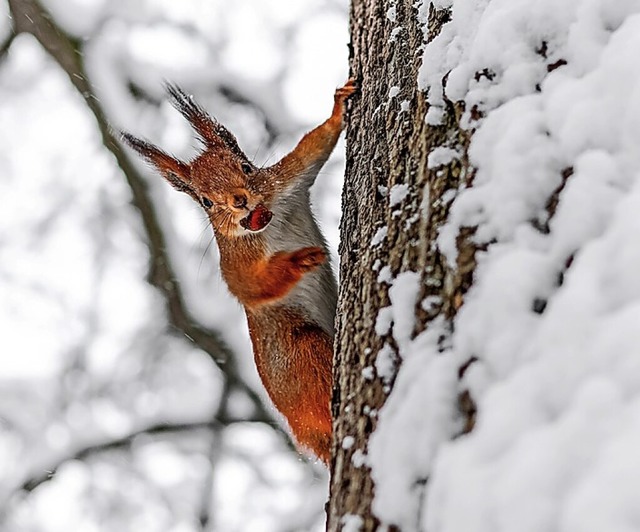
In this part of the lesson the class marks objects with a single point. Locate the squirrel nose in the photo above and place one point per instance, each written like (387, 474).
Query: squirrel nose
(239, 201)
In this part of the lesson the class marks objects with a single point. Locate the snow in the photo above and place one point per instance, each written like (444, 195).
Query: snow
(552, 317)
(368, 373)
(379, 236)
(423, 390)
(397, 194)
(420, 409)
(394, 34)
(347, 442)
(430, 302)
(385, 275)
(351, 523)
(359, 458)
(385, 363)
(391, 13)
(384, 320)
(441, 155)
(403, 295)
(434, 116)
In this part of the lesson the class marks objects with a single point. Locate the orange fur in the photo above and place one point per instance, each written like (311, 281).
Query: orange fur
(255, 278)
(314, 148)
(298, 376)
(262, 261)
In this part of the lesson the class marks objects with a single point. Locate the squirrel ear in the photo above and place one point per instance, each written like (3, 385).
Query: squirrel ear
(172, 169)
(212, 133)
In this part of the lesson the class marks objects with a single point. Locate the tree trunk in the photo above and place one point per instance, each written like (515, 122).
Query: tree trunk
(393, 206)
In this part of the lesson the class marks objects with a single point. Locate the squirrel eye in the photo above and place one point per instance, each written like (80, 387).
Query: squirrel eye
(207, 202)
(246, 168)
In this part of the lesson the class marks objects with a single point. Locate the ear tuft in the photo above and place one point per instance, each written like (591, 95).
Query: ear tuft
(211, 132)
(143, 147)
(172, 169)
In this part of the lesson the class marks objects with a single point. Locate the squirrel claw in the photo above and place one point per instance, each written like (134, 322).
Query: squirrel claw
(346, 90)
(340, 98)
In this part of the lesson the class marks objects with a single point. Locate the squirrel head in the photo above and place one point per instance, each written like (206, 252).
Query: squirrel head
(232, 191)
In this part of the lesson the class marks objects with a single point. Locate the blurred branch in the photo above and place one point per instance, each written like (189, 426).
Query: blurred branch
(6, 44)
(30, 17)
(215, 449)
(234, 95)
(114, 445)
(205, 516)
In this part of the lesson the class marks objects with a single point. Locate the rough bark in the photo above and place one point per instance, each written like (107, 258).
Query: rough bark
(388, 143)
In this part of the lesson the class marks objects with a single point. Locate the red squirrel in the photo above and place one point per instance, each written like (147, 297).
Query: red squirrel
(273, 256)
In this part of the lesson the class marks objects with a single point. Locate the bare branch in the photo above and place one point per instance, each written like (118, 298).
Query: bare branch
(233, 95)
(6, 44)
(114, 445)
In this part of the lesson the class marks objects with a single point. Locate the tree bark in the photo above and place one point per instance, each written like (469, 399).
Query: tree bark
(388, 144)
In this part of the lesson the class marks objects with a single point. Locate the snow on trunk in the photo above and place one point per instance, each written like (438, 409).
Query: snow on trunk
(551, 322)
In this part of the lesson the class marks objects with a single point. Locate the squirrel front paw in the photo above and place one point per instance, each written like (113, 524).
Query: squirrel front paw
(345, 91)
(340, 99)
(307, 259)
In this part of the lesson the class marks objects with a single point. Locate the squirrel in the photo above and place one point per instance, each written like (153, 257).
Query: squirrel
(273, 256)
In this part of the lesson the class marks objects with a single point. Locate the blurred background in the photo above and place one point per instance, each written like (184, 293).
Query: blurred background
(129, 403)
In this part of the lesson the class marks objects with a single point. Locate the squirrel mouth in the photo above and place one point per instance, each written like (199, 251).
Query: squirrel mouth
(257, 219)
